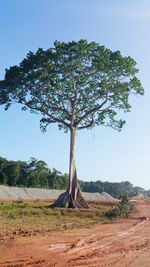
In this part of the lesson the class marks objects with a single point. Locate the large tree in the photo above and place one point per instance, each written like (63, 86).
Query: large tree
(77, 85)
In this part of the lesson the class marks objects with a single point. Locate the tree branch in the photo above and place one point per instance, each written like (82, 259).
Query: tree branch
(91, 111)
(68, 116)
(88, 125)
(61, 121)
(54, 120)
(50, 117)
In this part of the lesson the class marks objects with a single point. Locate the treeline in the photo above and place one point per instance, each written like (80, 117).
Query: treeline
(114, 189)
(36, 173)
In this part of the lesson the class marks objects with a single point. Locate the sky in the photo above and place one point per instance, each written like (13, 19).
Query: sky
(102, 153)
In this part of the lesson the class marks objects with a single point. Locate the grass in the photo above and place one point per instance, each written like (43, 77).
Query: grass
(34, 217)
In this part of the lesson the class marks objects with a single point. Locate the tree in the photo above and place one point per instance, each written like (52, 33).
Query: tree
(77, 85)
(3, 166)
(13, 173)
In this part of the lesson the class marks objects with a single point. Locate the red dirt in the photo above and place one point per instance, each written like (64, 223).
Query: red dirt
(122, 243)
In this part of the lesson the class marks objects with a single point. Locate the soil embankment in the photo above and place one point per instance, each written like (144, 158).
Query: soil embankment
(122, 243)
(16, 193)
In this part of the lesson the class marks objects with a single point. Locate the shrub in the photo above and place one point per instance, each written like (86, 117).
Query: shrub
(123, 208)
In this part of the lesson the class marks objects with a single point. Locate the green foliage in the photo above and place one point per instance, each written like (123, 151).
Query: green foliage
(114, 189)
(74, 84)
(35, 173)
(123, 208)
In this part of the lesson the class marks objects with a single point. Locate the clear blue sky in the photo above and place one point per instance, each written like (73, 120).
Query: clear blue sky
(119, 25)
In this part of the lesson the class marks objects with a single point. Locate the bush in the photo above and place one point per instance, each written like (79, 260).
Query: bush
(123, 208)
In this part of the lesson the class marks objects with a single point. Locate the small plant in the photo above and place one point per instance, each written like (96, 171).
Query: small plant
(123, 208)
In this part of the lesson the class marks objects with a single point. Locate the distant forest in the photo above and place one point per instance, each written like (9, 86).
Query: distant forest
(35, 173)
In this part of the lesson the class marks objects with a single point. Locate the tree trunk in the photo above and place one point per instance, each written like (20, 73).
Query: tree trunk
(72, 198)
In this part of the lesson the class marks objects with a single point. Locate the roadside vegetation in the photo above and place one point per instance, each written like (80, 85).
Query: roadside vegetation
(123, 208)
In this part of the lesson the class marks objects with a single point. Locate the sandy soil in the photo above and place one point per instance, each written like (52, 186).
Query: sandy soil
(122, 243)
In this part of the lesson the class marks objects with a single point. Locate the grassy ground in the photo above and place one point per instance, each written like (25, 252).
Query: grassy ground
(31, 218)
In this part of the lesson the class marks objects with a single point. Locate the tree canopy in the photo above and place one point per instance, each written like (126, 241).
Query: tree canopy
(75, 83)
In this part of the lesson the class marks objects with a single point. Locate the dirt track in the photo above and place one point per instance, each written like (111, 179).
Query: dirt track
(123, 243)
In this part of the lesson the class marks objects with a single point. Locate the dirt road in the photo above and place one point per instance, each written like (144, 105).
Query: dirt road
(123, 243)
